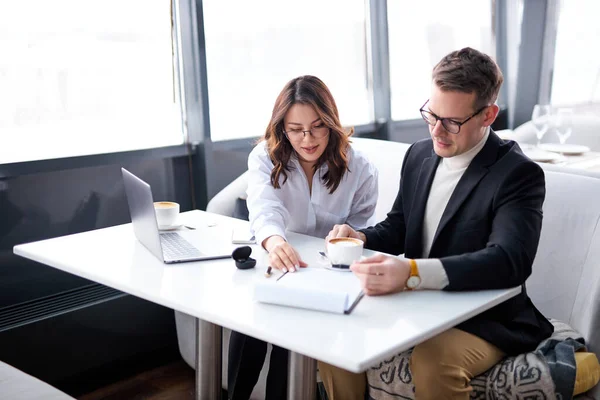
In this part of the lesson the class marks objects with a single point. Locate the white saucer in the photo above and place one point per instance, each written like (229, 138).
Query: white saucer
(543, 156)
(570, 149)
(169, 227)
(329, 267)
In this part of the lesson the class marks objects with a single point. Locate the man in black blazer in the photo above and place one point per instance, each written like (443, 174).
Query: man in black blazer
(468, 216)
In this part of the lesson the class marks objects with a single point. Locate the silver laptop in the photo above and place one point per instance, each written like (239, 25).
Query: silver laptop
(170, 247)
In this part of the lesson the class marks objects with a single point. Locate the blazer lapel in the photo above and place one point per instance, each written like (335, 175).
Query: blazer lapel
(414, 229)
(474, 173)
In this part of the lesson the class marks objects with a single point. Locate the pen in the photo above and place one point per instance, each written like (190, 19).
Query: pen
(282, 275)
(268, 273)
(358, 298)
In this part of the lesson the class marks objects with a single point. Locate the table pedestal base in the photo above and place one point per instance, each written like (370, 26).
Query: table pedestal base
(302, 377)
(208, 360)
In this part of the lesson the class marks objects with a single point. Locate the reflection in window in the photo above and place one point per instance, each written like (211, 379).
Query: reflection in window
(576, 77)
(420, 34)
(85, 77)
(253, 52)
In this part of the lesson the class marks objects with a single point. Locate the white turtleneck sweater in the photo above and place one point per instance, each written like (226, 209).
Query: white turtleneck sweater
(447, 175)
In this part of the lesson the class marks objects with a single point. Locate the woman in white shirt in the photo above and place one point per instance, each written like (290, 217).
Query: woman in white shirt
(304, 177)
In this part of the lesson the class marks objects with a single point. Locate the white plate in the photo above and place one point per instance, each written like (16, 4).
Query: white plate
(571, 149)
(526, 146)
(543, 156)
(169, 227)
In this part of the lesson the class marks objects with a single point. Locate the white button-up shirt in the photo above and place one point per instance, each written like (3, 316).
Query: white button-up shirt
(293, 207)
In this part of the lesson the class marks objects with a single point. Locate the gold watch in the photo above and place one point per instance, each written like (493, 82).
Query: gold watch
(414, 279)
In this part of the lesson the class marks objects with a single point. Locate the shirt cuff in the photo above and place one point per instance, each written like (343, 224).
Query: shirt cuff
(268, 231)
(432, 272)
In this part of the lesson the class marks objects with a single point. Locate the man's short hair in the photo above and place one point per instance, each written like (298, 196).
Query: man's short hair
(469, 71)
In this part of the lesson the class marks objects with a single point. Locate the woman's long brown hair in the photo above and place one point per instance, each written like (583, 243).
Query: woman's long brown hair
(311, 91)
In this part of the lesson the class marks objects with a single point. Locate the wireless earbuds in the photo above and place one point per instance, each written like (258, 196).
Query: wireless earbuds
(242, 258)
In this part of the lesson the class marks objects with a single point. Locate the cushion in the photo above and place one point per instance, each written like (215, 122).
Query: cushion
(524, 376)
(240, 210)
(588, 372)
(17, 385)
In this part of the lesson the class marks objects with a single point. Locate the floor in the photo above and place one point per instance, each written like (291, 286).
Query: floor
(171, 382)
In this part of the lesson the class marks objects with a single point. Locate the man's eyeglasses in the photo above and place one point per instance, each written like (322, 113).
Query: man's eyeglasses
(318, 132)
(449, 124)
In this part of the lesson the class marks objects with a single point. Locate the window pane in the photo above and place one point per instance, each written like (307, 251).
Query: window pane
(420, 34)
(251, 54)
(576, 77)
(85, 77)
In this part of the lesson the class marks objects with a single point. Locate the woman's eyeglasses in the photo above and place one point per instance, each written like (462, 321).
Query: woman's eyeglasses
(318, 132)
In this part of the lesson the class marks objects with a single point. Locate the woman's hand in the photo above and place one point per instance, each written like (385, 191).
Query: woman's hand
(282, 255)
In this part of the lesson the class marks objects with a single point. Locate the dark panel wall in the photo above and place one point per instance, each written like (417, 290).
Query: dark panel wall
(45, 205)
(41, 206)
(225, 163)
(86, 349)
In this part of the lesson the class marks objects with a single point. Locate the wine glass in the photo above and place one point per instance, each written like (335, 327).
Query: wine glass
(540, 117)
(564, 124)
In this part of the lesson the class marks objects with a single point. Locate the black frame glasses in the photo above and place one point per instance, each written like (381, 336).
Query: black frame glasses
(449, 124)
(295, 134)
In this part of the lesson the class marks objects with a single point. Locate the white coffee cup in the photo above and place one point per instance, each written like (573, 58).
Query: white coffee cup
(344, 251)
(166, 212)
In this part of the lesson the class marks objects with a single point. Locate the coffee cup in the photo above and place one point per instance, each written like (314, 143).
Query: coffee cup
(344, 251)
(166, 212)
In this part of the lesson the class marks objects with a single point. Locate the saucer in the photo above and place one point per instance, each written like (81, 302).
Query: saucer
(173, 227)
(566, 148)
(329, 267)
(327, 264)
(540, 155)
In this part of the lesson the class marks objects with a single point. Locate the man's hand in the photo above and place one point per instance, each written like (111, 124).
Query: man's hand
(282, 255)
(345, 231)
(381, 274)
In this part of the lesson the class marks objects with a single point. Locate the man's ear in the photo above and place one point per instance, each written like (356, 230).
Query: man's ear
(490, 114)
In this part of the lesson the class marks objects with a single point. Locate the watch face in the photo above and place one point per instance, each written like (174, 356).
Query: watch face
(413, 282)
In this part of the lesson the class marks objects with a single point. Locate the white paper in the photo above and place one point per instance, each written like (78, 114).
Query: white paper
(311, 288)
(242, 236)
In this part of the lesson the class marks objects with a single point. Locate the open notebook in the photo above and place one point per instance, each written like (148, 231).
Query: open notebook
(312, 288)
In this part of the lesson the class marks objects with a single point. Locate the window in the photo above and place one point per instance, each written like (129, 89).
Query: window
(576, 77)
(253, 52)
(420, 34)
(86, 77)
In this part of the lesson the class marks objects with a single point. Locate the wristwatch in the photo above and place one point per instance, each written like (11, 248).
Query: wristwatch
(414, 279)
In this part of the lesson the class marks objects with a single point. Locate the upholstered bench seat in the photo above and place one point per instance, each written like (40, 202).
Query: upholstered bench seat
(17, 385)
(565, 283)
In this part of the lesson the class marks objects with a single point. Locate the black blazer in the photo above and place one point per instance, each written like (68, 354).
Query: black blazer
(486, 239)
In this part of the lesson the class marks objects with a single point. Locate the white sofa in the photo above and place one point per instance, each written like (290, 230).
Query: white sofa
(17, 385)
(565, 283)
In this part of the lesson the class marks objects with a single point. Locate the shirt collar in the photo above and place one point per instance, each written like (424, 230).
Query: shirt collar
(462, 161)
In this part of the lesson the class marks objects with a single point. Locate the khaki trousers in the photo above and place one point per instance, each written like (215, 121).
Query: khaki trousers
(441, 367)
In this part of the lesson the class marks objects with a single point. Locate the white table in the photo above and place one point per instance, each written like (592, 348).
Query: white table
(588, 161)
(220, 295)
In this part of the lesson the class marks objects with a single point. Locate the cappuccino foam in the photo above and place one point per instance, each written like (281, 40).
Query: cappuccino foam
(345, 243)
(164, 204)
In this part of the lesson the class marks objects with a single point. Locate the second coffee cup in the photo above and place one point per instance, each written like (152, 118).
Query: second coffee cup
(166, 213)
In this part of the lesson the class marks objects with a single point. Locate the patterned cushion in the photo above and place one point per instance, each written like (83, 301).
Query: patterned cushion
(525, 376)
(588, 372)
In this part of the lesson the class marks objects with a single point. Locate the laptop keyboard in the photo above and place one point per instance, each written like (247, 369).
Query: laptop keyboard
(176, 247)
